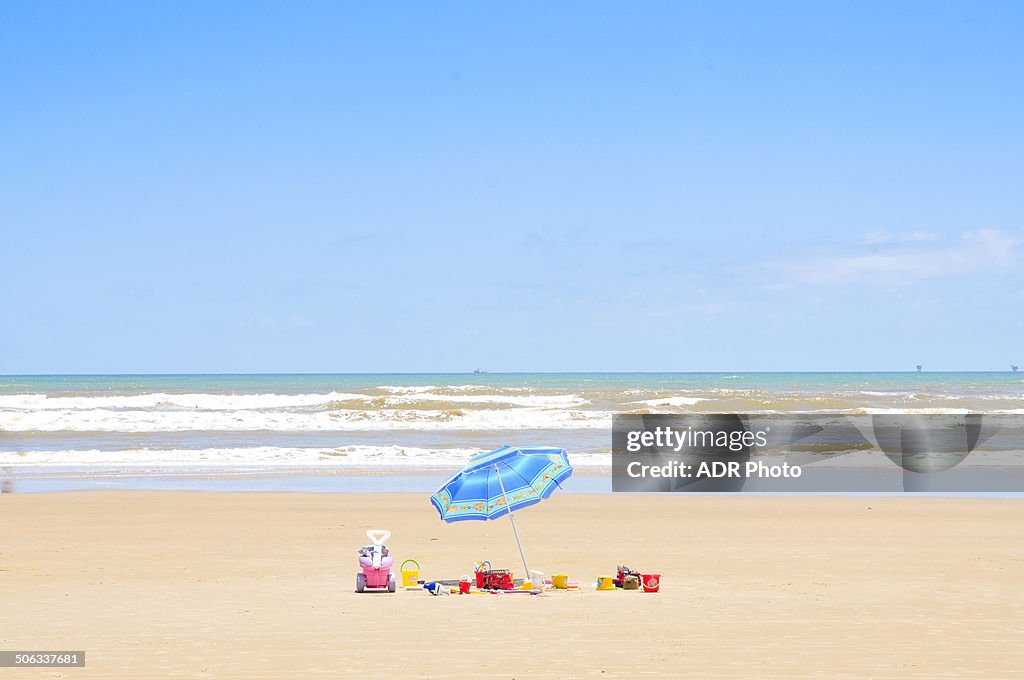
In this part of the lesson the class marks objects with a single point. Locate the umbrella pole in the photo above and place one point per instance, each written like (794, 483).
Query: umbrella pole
(515, 531)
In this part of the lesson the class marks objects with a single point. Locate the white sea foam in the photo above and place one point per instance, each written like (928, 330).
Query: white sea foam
(108, 420)
(413, 389)
(265, 456)
(159, 400)
(549, 401)
(430, 407)
(344, 456)
(237, 402)
(671, 401)
(420, 408)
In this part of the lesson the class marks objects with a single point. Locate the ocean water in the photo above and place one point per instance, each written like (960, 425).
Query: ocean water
(139, 425)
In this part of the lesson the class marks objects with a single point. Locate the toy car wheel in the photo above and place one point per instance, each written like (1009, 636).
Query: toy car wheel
(392, 584)
(360, 582)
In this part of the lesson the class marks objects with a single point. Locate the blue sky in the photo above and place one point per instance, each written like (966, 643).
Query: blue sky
(513, 186)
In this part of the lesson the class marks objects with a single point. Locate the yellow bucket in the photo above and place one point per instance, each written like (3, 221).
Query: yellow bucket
(560, 581)
(605, 583)
(410, 576)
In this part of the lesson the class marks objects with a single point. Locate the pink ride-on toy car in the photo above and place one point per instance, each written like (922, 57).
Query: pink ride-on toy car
(376, 562)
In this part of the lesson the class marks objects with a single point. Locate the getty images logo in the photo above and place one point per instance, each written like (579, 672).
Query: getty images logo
(818, 453)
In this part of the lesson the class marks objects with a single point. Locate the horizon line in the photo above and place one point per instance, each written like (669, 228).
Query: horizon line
(469, 373)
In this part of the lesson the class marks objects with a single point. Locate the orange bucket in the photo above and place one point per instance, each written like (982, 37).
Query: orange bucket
(651, 582)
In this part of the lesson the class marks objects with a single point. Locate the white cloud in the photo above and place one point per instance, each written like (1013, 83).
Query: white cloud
(877, 238)
(980, 250)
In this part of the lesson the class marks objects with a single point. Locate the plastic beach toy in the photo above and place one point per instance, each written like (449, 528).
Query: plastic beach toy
(605, 583)
(435, 588)
(651, 582)
(375, 561)
(410, 576)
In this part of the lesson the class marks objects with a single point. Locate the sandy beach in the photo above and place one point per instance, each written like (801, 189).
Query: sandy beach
(261, 585)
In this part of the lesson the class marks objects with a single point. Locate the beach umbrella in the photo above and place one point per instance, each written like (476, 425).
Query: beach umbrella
(497, 483)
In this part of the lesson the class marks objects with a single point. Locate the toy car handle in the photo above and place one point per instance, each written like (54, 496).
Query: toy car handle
(402, 568)
(378, 536)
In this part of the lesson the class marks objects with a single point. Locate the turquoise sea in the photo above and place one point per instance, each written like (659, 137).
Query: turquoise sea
(995, 381)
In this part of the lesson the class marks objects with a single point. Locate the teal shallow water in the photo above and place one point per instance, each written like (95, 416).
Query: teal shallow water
(995, 381)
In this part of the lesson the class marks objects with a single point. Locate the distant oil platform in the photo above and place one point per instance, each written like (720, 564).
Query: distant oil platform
(919, 367)
(1014, 367)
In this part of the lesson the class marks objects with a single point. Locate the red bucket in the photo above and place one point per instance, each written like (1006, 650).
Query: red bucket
(650, 582)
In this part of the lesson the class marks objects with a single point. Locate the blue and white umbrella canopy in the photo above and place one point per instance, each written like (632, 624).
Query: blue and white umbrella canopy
(497, 483)
(505, 479)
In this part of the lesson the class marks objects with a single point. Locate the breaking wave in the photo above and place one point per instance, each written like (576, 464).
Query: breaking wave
(356, 456)
(299, 422)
